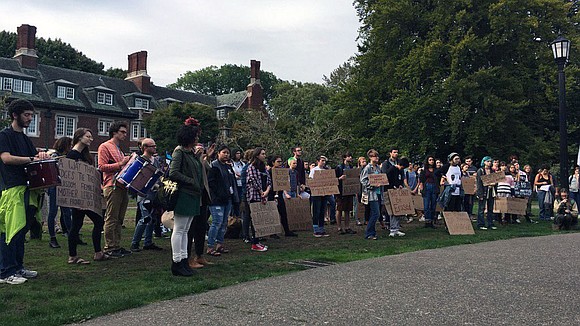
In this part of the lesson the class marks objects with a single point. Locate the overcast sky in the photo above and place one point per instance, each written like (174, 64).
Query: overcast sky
(296, 40)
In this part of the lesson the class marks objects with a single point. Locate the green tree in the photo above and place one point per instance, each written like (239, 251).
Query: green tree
(228, 78)
(163, 124)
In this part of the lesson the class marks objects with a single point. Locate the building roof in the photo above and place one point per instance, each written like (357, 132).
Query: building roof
(233, 99)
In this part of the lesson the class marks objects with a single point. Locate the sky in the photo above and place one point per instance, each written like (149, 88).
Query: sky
(298, 40)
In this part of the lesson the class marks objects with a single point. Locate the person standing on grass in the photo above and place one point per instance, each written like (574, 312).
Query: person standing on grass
(372, 196)
(82, 140)
(318, 202)
(429, 187)
(61, 147)
(111, 161)
(344, 204)
(300, 167)
(186, 170)
(485, 196)
(224, 193)
(451, 176)
(396, 176)
(280, 197)
(258, 186)
(149, 212)
(361, 164)
(545, 187)
(18, 204)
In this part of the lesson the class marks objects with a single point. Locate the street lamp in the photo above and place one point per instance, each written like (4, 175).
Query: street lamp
(561, 51)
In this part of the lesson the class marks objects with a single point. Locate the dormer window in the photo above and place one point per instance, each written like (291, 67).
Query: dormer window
(221, 114)
(16, 85)
(141, 103)
(7, 84)
(65, 92)
(104, 98)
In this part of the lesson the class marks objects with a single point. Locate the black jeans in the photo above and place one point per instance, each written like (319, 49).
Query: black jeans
(197, 231)
(283, 214)
(78, 216)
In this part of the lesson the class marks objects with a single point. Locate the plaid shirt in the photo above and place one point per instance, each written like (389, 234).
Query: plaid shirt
(254, 183)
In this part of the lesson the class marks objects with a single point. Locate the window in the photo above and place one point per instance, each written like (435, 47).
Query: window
(65, 126)
(104, 127)
(32, 129)
(138, 131)
(65, 92)
(141, 103)
(27, 87)
(221, 114)
(17, 85)
(7, 85)
(104, 98)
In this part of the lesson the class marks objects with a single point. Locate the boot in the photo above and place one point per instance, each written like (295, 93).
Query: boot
(185, 265)
(177, 269)
(53, 243)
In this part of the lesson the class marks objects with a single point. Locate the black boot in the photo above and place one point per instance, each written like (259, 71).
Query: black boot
(53, 243)
(178, 269)
(185, 264)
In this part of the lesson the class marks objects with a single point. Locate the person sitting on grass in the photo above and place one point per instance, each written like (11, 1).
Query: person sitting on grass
(565, 211)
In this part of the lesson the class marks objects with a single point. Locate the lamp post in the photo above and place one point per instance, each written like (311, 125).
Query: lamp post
(561, 51)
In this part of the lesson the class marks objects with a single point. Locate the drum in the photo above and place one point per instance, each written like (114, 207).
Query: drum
(145, 179)
(42, 174)
(130, 170)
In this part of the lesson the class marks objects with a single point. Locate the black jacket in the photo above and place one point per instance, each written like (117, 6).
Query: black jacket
(221, 179)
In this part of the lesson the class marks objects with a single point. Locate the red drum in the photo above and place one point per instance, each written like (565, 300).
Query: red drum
(42, 174)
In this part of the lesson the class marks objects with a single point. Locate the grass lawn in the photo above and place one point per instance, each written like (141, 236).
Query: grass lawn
(64, 293)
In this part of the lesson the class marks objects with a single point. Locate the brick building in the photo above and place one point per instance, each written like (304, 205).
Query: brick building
(67, 99)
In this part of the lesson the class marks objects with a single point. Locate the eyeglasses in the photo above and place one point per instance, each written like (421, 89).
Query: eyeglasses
(299, 150)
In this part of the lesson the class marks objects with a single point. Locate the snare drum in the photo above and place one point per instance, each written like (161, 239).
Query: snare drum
(130, 170)
(145, 179)
(42, 174)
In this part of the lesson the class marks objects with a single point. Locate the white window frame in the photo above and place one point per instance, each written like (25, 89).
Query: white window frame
(141, 103)
(7, 84)
(138, 131)
(105, 98)
(26, 87)
(35, 132)
(65, 92)
(67, 129)
(104, 125)
(17, 85)
(60, 92)
(221, 114)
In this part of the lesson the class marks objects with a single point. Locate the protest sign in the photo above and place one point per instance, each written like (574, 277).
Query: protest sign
(351, 184)
(265, 218)
(418, 202)
(378, 179)
(360, 211)
(280, 179)
(492, 178)
(299, 215)
(401, 201)
(324, 183)
(81, 186)
(469, 185)
(510, 205)
(458, 223)
(523, 189)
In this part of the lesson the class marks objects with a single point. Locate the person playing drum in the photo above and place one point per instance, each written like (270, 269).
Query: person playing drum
(146, 204)
(18, 204)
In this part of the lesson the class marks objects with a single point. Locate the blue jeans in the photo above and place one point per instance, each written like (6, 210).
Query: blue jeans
(332, 207)
(480, 211)
(12, 254)
(545, 209)
(219, 223)
(318, 208)
(429, 201)
(375, 209)
(145, 224)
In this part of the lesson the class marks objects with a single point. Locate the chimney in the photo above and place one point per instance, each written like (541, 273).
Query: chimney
(138, 71)
(26, 47)
(255, 94)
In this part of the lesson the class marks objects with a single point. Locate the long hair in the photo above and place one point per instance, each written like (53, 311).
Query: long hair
(259, 164)
(79, 133)
(62, 145)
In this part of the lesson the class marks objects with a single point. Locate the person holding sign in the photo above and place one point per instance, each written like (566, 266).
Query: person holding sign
(82, 140)
(280, 197)
(451, 177)
(371, 195)
(18, 204)
(318, 202)
(259, 185)
(396, 176)
(544, 185)
(429, 187)
(485, 196)
(343, 203)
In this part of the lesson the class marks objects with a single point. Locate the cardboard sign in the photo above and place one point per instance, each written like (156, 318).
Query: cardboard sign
(493, 178)
(458, 223)
(280, 179)
(401, 201)
(418, 202)
(351, 184)
(81, 186)
(378, 179)
(360, 211)
(324, 183)
(265, 218)
(387, 203)
(469, 185)
(510, 205)
(299, 214)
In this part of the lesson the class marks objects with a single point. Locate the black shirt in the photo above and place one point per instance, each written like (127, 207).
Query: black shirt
(17, 144)
(75, 155)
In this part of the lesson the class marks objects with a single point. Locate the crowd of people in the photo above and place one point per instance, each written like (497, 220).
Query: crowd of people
(214, 181)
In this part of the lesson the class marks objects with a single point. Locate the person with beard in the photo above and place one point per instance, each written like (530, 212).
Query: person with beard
(300, 167)
(450, 173)
(19, 206)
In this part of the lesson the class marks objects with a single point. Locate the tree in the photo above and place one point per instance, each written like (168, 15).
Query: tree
(163, 123)
(226, 79)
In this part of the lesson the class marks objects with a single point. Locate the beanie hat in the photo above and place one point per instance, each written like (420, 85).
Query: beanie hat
(451, 156)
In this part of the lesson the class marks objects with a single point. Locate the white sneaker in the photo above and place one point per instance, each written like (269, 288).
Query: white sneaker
(393, 234)
(422, 219)
(518, 221)
(409, 220)
(400, 234)
(14, 280)
(440, 217)
(25, 273)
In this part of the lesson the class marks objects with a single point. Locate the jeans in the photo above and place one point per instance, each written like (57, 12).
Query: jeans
(248, 231)
(575, 196)
(219, 223)
(480, 211)
(545, 209)
(65, 214)
(375, 211)
(145, 224)
(196, 233)
(395, 224)
(283, 214)
(318, 209)
(331, 207)
(468, 204)
(179, 237)
(429, 201)
(12, 254)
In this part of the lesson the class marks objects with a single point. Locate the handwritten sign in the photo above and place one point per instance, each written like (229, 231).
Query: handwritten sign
(351, 184)
(324, 183)
(418, 203)
(265, 218)
(378, 179)
(280, 179)
(458, 223)
(360, 211)
(401, 201)
(523, 189)
(493, 178)
(510, 205)
(469, 185)
(299, 215)
(81, 186)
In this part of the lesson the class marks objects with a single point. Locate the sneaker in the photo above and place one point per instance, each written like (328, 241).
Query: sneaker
(410, 220)
(151, 247)
(25, 273)
(124, 251)
(115, 254)
(494, 227)
(400, 234)
(259, 247)
(518, 221)
(324, 234)
(135, 248)
(372, 237)
(393, 234)
(317, 234)
(422, 219)
(483, 228)
(13, 279)
(247, 240)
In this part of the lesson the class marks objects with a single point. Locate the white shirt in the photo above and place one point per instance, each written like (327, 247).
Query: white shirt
(454, 178)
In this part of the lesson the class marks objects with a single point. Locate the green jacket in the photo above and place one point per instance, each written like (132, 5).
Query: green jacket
(186, 170)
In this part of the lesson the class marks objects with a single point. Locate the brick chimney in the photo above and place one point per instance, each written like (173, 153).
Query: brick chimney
(138, 71)
(26, 47)
(255, 93)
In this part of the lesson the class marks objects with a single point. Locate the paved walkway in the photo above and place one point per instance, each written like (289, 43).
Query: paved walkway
(525, 281)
